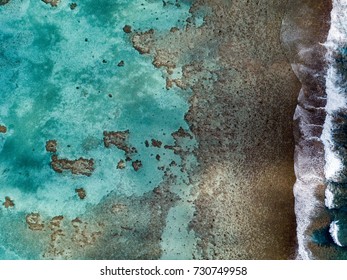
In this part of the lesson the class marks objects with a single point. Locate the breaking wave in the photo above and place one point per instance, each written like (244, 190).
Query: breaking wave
(334, 135)
(304, 30)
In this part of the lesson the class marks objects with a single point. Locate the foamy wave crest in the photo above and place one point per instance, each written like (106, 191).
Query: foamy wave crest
(334, 135)
(304, 29)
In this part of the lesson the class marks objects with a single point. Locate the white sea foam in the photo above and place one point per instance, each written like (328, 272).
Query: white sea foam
(308, 177)
(333, 163)
(304, 192)
(335, 94)
(329, 199)
(334, 232)
(312, 167)
(336, 100)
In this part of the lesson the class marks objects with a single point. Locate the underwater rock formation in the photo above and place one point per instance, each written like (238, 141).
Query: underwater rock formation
(53, 3)
(3, 129)
(80, 166)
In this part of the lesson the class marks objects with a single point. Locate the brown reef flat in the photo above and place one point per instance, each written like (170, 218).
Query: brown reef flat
(245, 206)
(241, 112)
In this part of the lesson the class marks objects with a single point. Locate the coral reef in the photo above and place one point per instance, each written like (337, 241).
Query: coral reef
(80, 166)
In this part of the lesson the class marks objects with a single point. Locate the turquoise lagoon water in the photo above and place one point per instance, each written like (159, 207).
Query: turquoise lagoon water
(60, 80)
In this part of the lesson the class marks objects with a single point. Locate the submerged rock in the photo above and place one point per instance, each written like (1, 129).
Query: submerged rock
(79, 166)
(137, 164)
(156, 143)
(53, 3)
(3, 129)
(34, 221)
(73, 6)
(8, 202)
(127, 29)
(143, 41)
(51, 146)
(121, 164)
(120, 139)
(181, 133)
(81, 193)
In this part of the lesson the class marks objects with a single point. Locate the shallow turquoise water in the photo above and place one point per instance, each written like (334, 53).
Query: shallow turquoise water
(60, 80)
